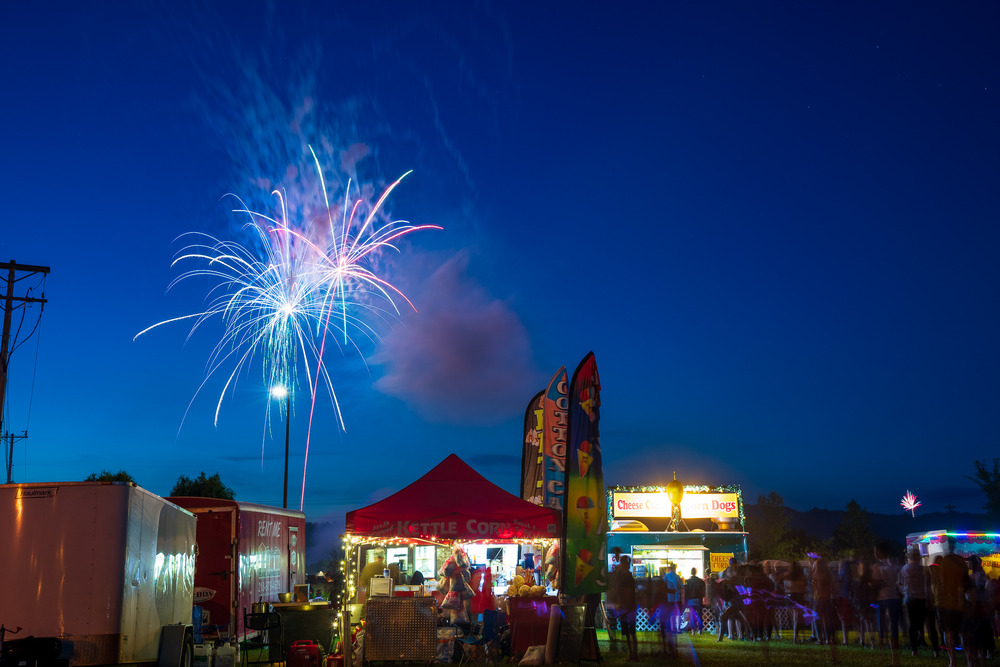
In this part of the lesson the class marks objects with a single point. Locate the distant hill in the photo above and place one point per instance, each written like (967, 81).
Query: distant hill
(894, 527)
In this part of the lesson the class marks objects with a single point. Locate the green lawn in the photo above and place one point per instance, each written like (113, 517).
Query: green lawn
(704, 651)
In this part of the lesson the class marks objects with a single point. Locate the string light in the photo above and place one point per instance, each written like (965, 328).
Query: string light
(351, 542)
(936, 537)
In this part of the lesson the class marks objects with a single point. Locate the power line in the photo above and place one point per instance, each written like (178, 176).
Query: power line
(28, 270)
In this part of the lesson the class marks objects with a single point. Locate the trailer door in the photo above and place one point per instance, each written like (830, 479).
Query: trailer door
(215, 569)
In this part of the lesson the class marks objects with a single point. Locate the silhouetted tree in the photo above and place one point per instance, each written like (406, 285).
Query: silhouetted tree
(203, 487)
(801, 544)
(770, 534)
(108, 476)
(989, 482)
(854, 533)
(330, 585)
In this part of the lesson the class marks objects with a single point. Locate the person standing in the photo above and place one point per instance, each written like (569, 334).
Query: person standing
(914, 583)
(622, 601)
(885, 573)
(864, 601)
(796, 586)
(846, 583)
(694, 593)
(979, 612)
(732, 612)
(949, 581)
(759, 590)
(823, 605)
(672, 617)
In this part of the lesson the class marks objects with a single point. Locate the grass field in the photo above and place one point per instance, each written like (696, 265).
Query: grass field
(704, 651)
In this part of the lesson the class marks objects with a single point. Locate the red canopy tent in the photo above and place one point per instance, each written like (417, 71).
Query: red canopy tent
(453, 502)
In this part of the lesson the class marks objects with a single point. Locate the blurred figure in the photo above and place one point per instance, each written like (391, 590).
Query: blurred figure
(735, 577)
(863, 602)
(777, 577)
(914, 582)
(711, 594)
(949, 581)
(623, 604)
(846, 583)
(670, 621)
(760, 591)
(732, 613)
(823, 605)
(796, 585)
(885, 573)
(398, 572)
(980, 612)
(993, 593)
(694, 594)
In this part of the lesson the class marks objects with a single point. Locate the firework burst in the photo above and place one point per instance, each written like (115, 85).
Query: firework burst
(910, 503)
(294, 286)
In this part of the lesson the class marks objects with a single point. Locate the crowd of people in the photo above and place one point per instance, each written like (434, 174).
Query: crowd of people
(949, 604)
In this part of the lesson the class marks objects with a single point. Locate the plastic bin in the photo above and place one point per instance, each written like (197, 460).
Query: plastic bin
(202, 655)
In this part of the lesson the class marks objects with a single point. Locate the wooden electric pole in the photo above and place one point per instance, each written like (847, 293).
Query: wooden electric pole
(10, 453)
(13, 268)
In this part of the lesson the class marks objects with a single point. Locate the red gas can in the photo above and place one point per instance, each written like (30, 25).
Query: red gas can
(303, 653)
(335, 660)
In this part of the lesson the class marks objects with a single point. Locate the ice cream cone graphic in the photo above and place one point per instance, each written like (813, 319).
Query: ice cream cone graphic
(583, 566)
(585, 506)
(584, 457)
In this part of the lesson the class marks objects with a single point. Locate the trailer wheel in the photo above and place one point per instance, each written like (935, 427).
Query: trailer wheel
(176, 646)
(187, 651)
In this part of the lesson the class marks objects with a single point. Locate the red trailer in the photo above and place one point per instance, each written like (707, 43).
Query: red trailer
(247, 553)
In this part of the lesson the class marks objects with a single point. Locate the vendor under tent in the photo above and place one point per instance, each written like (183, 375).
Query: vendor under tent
(452, 505)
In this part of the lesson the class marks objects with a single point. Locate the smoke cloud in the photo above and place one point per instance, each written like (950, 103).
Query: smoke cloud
(464, 358)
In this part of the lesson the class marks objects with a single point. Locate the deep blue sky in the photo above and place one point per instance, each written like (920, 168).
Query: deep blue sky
(776, 225)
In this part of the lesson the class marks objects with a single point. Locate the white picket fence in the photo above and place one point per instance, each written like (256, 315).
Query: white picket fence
(649, 621)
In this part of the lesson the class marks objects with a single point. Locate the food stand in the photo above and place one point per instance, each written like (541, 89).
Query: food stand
(417, 528)
(933, 543)
(706, 533)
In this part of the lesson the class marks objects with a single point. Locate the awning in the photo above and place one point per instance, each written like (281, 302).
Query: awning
(454, 502)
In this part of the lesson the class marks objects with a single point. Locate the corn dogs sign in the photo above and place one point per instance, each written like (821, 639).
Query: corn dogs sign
(693, 506)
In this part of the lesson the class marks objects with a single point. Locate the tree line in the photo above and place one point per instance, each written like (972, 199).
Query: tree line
(201, 486)
(772, 537)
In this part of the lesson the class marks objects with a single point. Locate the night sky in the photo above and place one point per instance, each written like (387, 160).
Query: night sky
(775, 224)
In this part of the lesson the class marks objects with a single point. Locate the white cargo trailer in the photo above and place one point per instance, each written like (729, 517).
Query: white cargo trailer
(107, 568)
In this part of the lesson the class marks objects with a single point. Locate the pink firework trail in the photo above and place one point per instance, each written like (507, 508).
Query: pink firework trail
(349, 252)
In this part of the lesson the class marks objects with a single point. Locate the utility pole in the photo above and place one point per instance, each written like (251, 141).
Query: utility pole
(12, 270)
(10, 453)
